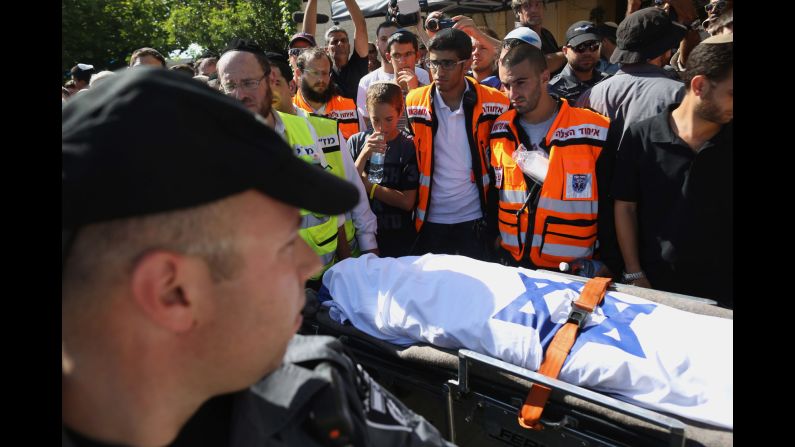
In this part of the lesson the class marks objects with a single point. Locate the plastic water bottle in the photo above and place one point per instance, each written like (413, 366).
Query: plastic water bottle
(583, 267)
(376, 172)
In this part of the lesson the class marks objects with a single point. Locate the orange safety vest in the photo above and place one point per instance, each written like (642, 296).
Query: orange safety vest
(490, 104)
(565, 218)
(338, 108)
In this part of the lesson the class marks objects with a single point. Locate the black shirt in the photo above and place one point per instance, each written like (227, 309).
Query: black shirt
(347, 79)
(684, 206)
(402, 174)
(566, 84)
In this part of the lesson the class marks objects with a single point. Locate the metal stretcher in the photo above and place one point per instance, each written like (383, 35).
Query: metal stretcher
(473, 399)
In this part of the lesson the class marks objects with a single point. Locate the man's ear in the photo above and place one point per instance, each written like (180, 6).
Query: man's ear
(158, 284)
(468, 64)
(545, 76)
(699, 85)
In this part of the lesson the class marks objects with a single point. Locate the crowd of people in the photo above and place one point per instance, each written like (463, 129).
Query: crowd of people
(613, 150)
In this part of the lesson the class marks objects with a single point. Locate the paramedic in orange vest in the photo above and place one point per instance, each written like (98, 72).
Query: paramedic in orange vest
(556, 209)
(318, 95)
(451, 119)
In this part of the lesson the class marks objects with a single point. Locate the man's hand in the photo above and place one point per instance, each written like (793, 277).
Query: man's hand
(436, 14)
(407, 79)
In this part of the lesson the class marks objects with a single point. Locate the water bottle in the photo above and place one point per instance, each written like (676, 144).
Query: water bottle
(376, 173)
(583, 267)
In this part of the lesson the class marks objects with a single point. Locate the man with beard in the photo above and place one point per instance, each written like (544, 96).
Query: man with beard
(317, 94)
(530, 13)
(245, 73)
(673, 184)
(551, 174)
(582, 52)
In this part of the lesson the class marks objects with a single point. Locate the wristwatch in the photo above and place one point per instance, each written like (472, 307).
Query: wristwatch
(629, 277)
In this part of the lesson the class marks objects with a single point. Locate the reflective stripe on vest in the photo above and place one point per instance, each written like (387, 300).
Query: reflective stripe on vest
(318, 231)
(490, 104)
(338, 108)
(564, 226)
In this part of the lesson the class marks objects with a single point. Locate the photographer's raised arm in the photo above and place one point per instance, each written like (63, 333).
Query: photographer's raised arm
(360, 43)
(467, 25)
(309, 24)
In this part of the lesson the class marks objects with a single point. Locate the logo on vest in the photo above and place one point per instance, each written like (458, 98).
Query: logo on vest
(329, 141)
(591, 131)
(494, 108)
(418, 112)
(499, 126)
(343, 114)
(578, 186)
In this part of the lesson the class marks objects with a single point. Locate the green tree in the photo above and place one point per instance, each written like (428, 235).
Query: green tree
(214, 24)
(104, 33)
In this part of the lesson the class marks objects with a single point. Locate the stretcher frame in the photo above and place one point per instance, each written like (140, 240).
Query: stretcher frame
(474, 399)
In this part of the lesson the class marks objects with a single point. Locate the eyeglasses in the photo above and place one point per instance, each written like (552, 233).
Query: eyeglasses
(716, 7)
(318, 73)
(435, 64)
(248, 84)
(400, 57)
(586, 46)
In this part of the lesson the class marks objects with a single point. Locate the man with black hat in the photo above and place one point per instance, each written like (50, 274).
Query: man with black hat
(582, 53)
(641, 88)
(183, 278)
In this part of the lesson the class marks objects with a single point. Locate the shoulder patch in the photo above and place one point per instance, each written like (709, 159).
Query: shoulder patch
(500, 126)
(494, 108)
(343, 114)
(591, 131)
(418, 112)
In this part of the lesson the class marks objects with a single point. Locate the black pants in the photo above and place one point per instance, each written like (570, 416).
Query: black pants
(465, 238)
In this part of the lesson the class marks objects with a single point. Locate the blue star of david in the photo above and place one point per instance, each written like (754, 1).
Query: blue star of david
(616, 320)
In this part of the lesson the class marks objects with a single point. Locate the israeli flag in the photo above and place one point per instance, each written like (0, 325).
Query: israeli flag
(633, 349)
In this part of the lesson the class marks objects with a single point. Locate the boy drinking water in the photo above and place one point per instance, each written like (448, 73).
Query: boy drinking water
(392, 200)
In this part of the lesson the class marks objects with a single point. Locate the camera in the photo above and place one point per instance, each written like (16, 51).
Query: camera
(434, 24)
(406, 16)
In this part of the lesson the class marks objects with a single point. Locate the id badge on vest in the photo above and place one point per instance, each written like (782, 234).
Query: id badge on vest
(579, 180)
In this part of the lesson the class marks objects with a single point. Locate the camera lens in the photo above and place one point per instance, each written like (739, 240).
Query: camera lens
(432, 24)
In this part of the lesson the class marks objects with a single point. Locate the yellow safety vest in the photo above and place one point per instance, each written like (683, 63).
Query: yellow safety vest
(319, 231)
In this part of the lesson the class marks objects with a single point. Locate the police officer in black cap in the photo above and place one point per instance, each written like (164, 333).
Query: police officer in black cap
(183, 280)
(582, 54)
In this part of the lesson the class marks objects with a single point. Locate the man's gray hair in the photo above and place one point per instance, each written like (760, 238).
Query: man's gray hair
(335, 29)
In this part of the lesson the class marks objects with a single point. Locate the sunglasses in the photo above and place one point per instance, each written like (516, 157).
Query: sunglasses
(295, 51)
(586, 46)
(716, 7)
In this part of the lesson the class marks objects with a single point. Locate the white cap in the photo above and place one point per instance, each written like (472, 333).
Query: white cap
(526, 34)
(85, 67)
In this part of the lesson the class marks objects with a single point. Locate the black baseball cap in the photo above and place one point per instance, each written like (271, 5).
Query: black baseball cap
(582, 31)
(148, 141)
(645, 34)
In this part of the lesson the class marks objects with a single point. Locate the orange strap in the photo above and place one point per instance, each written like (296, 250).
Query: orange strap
(559, 348)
